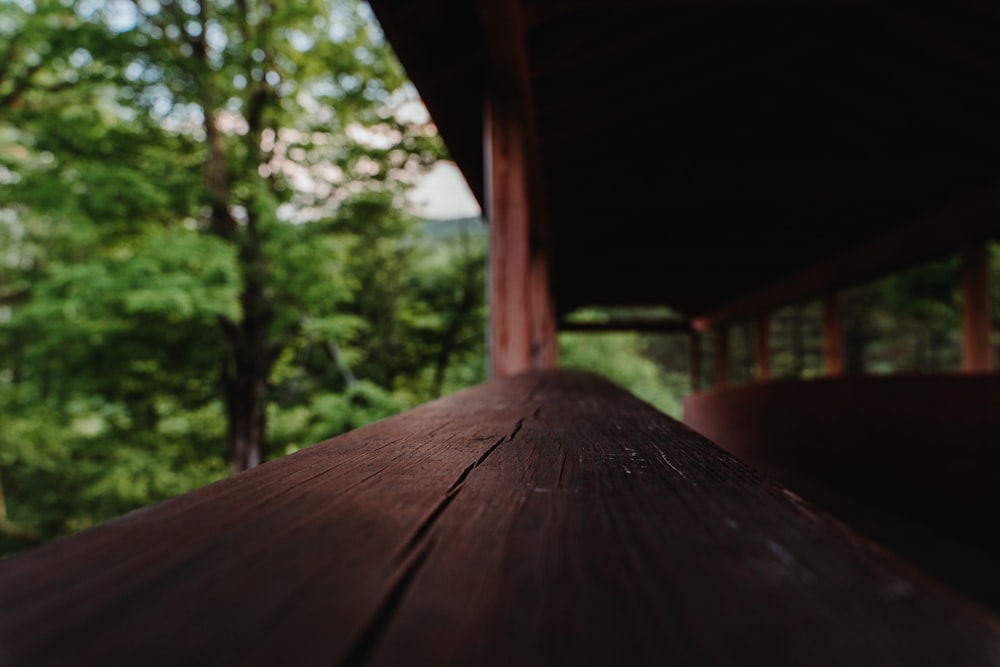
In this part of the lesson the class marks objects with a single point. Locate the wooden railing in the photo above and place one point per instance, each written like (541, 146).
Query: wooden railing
(912, 460)
(545, 519)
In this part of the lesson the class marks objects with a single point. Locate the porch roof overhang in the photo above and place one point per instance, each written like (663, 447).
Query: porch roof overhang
(725, 156)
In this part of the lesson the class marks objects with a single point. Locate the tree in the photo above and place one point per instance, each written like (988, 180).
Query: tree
(286, 109)
(202, 225)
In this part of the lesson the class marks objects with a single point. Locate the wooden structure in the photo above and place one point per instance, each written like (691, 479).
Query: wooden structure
(721, 158)
(546, 518)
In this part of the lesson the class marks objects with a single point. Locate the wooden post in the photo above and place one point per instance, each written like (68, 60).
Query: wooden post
(722, 355)
(544, 344)
(762, 342)
(694, 357)
(977, 352)
(522, 307)
(833, 336)
(522, 313)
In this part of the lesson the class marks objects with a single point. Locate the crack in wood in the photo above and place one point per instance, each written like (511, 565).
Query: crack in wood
(411, 558)
(455, 487)
(362, 649)
(562, 470)
(424, 527)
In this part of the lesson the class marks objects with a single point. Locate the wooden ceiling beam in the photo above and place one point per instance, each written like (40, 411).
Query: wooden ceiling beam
(931, 236)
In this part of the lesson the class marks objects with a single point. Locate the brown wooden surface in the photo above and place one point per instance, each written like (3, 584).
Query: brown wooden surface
(522, 309)
(510, 251)
(977, 349)
(913, 459)
(543, 519)
(522, 314)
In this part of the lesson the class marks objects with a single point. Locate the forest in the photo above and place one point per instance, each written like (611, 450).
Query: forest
(208, 259)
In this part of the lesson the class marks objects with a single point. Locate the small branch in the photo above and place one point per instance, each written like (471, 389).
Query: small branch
(338, 358)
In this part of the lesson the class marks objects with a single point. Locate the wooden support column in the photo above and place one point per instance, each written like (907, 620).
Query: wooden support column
(977, 352)
(722, 355)
(694, 356)
(522, 307)
(762, 345)
(833, 336)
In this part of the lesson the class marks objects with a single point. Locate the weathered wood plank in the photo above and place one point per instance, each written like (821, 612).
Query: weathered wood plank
(886, 452)
(282, 566)
(546, 518)
(623, 538)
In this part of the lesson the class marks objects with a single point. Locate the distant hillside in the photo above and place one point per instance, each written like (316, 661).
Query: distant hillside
(446, 229)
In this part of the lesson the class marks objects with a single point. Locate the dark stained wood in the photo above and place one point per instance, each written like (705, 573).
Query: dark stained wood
(919, 450)
(510, 250)
(544, 344)
(544, 519)
(522, 317)
(762, 347)
(977, 327)
(902, 424)
(522, 309)
(833, 335)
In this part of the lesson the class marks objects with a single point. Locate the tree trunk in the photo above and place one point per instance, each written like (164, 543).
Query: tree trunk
(249, 368)
(246, 372)
(246, 406)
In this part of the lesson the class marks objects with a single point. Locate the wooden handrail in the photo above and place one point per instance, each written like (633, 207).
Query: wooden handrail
(548, 518)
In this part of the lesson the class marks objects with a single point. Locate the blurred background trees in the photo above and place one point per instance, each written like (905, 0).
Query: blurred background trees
(206, 259)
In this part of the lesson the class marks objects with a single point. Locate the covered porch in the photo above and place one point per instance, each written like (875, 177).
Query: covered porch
(717, 158)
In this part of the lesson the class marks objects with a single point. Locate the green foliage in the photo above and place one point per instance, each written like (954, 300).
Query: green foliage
(190, 205)
(626, 358)
(909, 321)
(328, 414)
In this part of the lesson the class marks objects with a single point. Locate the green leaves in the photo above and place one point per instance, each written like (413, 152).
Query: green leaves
(201, 215)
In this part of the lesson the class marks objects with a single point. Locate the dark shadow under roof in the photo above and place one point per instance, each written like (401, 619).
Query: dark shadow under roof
(695, 153)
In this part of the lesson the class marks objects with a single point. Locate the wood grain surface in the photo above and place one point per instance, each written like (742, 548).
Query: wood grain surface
(543, 519)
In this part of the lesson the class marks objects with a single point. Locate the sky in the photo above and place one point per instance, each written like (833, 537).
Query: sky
(443, 194)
